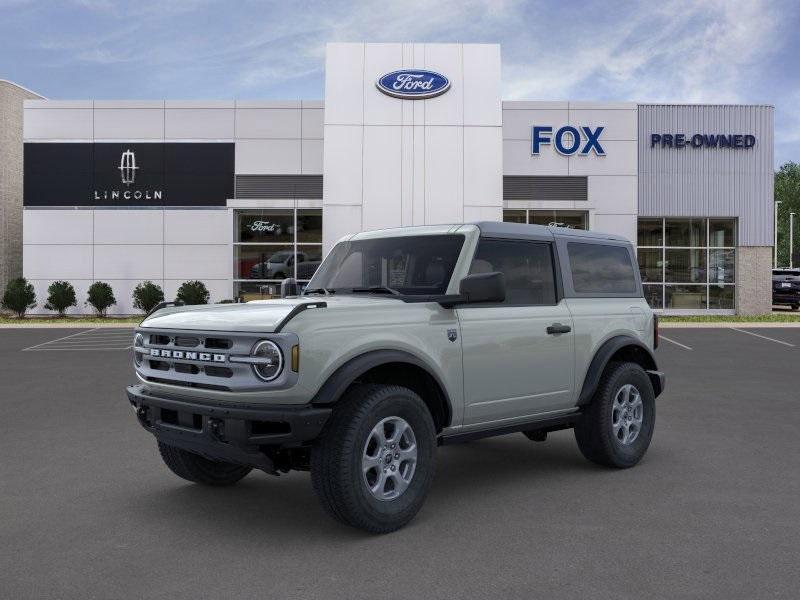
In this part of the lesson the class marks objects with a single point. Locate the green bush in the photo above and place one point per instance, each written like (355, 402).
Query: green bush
(19, 297)
(60, 296)
(101, 297)
(147, 295)
(193, 292)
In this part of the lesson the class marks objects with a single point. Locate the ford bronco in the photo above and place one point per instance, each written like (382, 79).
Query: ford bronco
(404, 340)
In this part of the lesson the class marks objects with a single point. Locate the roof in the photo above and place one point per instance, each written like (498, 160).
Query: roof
(489, 228)
(22, 87)
(523, 230)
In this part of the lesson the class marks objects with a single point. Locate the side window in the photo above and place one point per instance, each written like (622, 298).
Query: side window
(527, 266)
(601, 269)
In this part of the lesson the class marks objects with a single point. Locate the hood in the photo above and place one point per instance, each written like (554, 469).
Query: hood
(262, 316)
(250, 316)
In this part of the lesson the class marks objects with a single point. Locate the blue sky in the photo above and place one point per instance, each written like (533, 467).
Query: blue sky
(665, 50)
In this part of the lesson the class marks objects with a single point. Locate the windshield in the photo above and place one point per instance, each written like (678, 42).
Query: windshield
(420, 264)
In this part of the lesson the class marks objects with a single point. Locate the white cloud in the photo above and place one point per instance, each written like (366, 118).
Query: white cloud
(679, 50)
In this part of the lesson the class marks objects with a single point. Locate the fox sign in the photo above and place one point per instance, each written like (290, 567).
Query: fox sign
(568, 140)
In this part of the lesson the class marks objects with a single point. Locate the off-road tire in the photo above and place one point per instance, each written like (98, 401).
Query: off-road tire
(336, 467)
(197, 469)
(594, 431)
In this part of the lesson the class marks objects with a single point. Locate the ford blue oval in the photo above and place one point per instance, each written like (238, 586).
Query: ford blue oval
(413, 84)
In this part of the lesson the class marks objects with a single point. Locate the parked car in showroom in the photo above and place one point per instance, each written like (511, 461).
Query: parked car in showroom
(786, 288)
(278, 266)
(405, 340)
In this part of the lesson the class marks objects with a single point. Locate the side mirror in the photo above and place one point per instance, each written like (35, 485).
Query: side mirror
(288, 287)
(483, 287)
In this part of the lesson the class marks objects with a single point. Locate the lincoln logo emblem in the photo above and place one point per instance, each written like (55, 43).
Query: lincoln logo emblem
(127, 167)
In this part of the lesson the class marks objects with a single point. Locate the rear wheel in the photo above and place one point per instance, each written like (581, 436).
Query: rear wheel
(373, 464)
(616, 428)
(197, 469)
(795, 306)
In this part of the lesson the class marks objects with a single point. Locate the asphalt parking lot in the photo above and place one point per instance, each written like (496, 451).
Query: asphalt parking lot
(87, 509)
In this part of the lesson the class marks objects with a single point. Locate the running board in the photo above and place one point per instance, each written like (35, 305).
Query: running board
(548, 424)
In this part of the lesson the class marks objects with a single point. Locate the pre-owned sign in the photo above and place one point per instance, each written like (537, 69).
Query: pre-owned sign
(702, 140)
(128, 174)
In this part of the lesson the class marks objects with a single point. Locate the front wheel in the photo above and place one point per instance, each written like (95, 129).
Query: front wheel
(373, 464)
(795, 306)
(193, 467)
(616, 428)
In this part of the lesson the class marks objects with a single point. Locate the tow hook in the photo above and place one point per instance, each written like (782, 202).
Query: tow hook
(215, 426)
(141, 414)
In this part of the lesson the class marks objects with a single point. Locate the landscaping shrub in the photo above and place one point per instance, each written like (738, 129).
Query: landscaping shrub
(147, 295)
(60, 296)
(101, 297)
(193, 292)
(19, 297)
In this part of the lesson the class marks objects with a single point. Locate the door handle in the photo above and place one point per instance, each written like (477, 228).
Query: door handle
(556, 328)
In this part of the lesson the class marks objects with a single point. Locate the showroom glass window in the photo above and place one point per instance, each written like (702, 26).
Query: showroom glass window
(688, 264)
(273, 244)
(574, 219)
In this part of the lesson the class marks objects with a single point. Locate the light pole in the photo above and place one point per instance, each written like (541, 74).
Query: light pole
(791, 238)
(777, 202)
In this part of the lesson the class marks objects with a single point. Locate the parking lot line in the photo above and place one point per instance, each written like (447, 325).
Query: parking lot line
(763, 337)
(91, 339)
(666, 339)
(58, 340)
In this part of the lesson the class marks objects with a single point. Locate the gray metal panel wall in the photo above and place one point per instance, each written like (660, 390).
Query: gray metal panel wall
(526, 187)
(709, 182)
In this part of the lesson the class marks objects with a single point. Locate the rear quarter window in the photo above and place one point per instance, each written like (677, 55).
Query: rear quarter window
(601, 269)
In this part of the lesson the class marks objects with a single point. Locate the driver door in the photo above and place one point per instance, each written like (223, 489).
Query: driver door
(514, 368)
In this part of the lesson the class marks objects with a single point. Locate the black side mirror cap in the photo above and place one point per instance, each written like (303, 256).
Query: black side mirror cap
(479, 287)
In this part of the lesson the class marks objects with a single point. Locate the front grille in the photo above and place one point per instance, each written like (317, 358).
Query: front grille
(187, 368)
(218, 371)
(218, 343)
(195, 359)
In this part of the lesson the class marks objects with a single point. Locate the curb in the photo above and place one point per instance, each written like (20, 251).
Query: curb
(68, 325)
(728, 324)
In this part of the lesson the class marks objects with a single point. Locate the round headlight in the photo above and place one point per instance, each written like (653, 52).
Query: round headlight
(138, 342)
(271, 363)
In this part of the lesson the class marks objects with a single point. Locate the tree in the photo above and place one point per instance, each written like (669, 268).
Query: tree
(101, 297)
(19, 296)
(60, 296)
(787, 191)
(193, 292)
(147, 295)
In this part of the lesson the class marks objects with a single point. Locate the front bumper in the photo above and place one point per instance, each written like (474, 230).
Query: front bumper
(786, 297)
(237, 434)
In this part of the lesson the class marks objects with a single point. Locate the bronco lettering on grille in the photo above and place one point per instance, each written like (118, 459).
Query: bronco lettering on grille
(204, 356)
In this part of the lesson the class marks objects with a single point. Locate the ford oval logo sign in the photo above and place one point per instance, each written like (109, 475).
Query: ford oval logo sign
(413, 84)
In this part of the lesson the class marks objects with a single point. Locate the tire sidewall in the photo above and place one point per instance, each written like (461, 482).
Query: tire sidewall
(409, 407)
(630, 454)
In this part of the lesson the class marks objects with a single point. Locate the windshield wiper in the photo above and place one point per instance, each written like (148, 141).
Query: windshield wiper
(320, 290)
(376, 289)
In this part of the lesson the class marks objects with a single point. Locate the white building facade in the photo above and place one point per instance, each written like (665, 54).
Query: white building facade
(242, 194)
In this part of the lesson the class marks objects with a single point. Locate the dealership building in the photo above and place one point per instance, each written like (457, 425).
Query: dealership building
(240, 194)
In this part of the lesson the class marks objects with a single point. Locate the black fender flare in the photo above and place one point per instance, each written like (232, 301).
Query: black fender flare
(602, 357)
(335, 386)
